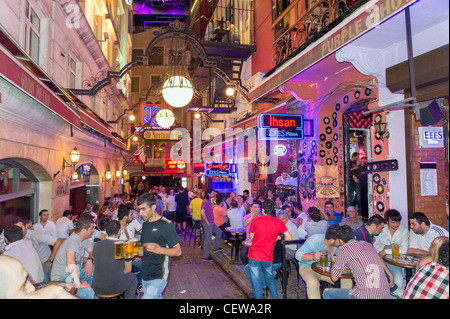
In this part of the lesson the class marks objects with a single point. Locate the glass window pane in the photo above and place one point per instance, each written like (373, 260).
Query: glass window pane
(25, 183)
(34, 46)
(156, 56)
(35, 21)
(6, 179)
(135, 84)
(15, 208)
(72, 80)
(72, 64)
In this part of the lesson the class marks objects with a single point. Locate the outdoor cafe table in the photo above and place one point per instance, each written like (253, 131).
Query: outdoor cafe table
(237, 232)
(68, 287)
(325, 271)
(404, 261)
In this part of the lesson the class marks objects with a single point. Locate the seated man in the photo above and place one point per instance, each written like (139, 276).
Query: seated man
(364, 263)
(393, 232)
(422, 234)
(332, 217)
(112, 275)
(290, 249)
(22, 249)
(314, 247)
(431, 281)
(68, 261)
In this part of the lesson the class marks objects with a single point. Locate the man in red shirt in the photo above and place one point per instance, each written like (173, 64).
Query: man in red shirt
(264, 231)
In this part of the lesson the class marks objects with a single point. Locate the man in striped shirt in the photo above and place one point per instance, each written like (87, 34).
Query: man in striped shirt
(363, 261)
(422, 234)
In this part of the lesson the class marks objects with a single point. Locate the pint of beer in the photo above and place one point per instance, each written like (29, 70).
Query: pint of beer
(395, 251)
(323, 261)
(119, 249)
(135, 242)
(129, 250)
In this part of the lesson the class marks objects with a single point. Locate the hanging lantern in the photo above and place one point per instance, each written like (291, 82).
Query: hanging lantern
(165, 118)
(178, 91)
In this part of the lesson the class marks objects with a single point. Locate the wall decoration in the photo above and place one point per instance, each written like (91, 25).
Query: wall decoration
(327, 181)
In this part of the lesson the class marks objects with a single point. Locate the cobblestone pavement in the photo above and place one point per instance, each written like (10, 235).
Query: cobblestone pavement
(192, 278)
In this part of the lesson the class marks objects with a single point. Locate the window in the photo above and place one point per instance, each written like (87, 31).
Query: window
(72, 69)
(156, 56)
(135, 84)
(18, 192)
(137, 52)
(155, 80)
(32, 32)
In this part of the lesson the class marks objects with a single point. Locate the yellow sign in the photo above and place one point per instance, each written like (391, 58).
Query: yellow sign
(156, 135)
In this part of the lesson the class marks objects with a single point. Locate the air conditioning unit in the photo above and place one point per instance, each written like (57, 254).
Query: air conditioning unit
(254, 80)
(229, 122)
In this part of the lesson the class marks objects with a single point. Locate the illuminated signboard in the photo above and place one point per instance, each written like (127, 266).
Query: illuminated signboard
(162, 7)
(280, 126)
(280, 150)
(174, 165)
(148, 112)
(214, 169)
(198, 167)
(431, 137)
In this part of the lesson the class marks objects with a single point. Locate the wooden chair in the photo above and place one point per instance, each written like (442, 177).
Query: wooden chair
(286, 264)
(110, 296)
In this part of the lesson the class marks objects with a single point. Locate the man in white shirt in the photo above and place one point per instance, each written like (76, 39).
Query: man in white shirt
(300, 220)
(22, 249)
(236, 215)
(393, 232)
(284, 177)
(64, 225)
(128, 223)
(41, 243)
(292, 228)
(171, 205)
(422, 234)
(44, 225)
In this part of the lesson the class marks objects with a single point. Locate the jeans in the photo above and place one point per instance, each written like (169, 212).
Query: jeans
(209, 231)
(83, 293)
(399, 277)
(260, 274)
(153, 289)
(336, 293)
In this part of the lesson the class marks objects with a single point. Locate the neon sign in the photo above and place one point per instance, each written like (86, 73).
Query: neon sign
(148, 112)
(214, 169)
(280, 126)
(431, 137)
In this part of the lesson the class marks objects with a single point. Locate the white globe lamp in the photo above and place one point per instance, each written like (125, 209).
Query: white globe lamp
(165, 118)
(177, 91)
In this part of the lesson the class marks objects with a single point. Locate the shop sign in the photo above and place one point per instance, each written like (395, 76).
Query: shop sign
(198, 167)
(86, 168)
(174, 165)
(157, 135)
(214, 169)
(280, 150)
(431, 137)
(273, 126)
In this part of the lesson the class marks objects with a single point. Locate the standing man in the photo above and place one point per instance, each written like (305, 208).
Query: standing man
(264, 231)
(364, 263)
(69, 259)
(422, 234)
(64, 225)
(196, 208)
(181, 210)
(210, 228)
(44, 225)
(392, 233)
(159, 242)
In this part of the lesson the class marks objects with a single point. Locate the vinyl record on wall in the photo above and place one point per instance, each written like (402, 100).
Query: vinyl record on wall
(376, 178)
(337, 107)
(357, 94)
(334, 115)
(335, 159)
(335, 151)
(335, 123)
(378, 149)
(367, 91)
(326, 120)
(346, 99)
(322, 153)
(329, 161)
(377, 118)
(335, 137)
(322, 137)
(328, 130)
(380, 189)
(328, 144)
(380, 206)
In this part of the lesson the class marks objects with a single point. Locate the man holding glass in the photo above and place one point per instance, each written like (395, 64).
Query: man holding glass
(159, 242)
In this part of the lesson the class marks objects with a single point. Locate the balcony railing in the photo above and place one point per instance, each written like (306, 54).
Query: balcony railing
(234, 22)
(302, 20)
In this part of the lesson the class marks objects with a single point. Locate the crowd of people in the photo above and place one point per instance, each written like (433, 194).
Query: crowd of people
(80, 249)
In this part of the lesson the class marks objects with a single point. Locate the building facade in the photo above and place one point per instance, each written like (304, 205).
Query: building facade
(53, 54)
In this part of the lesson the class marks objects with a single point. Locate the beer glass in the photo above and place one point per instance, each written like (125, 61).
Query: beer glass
(135, 242)
(119, 249)
(323, 261)
(395, 251)
(129, 249)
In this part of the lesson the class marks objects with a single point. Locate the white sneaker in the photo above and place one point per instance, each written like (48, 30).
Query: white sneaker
(397, 293)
